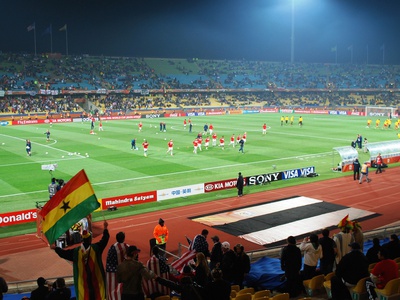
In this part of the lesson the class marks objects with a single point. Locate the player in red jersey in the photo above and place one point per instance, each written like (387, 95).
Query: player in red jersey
(195, 145)
(170, 147)
(210, 129)
(238, 138)
(222, 142)
(264, 129)
(232, 141)
(199, 142)
(140, 125)
(207, 142)
(244, 137)
(214, 139)
(145, 145)
(184, 124)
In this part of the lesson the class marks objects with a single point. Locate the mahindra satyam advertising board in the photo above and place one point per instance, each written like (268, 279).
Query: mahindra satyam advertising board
(131, 199)
(220, 185)
(18, 217)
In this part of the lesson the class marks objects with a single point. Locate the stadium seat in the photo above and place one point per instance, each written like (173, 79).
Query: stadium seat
(284, 296)
(391, 290)
(359, 292)
(249, 290)
(235, 287)
(245, 296)
(260, 294)
(329, 276)
(165, 297)
(327, 286)
(314, 284)
(152, 244)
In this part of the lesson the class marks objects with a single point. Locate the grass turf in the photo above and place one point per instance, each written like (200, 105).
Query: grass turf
(114, 169)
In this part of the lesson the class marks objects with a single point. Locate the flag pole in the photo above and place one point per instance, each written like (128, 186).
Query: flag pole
(51, 39)
(367, 54)
(66, 39)
(34, 37)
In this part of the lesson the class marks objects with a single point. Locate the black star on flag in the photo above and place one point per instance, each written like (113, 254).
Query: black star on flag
(65, 206)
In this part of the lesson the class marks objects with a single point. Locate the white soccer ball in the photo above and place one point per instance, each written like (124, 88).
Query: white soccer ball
(62, 156)
(3, 143)
(156, 132)
(79, 153)
(165, 139)
(47, 152)
(98, 138)
(86, 154)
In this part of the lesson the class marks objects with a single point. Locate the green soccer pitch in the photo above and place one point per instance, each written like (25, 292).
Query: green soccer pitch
(114, 169)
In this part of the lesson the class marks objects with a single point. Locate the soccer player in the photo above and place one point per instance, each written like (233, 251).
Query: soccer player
(377, 123)
(286, 120)
(28, 147)
(47, 133)
(238, 138)
(100, 125)
(170, 147)
(264, 129)
(133, 144)
(140, 125)
(195, 145)
(369, 123)
(199, 142)
(291, 120)
(232, 141)
(301, 121)
(184, 124)
(145, 145)
(222, 142)
(211, 128)
(244, 137)
(214, 139)
(282, 120)
(207, 142)
(205, 129)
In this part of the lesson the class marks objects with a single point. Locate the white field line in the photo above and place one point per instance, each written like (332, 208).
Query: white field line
(184, 172)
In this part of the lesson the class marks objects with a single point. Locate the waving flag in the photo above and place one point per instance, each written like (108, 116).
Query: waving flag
(183, 260)
(48, 30)
(64, 28)
(73, 202)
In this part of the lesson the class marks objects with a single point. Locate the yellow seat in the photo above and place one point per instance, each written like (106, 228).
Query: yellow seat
(260, 294)
(359, 292)
(235, 287)
(327, 286)
(165, 297)
(249, 290)
(284, 296)
(391, 290)
(263, 298)
(329, 276)
(397, 259)
(245, 296)
(233, 294)
(314, 284)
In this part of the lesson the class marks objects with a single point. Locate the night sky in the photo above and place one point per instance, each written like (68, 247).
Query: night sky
(208, 29)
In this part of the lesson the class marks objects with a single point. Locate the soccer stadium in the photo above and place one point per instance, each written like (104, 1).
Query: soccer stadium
(276, 180)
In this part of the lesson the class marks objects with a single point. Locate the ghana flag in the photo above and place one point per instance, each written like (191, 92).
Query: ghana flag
(71, 203)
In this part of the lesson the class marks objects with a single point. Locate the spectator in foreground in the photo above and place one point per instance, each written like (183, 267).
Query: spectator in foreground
(41, 292)
(291, 265)
(329, 252)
